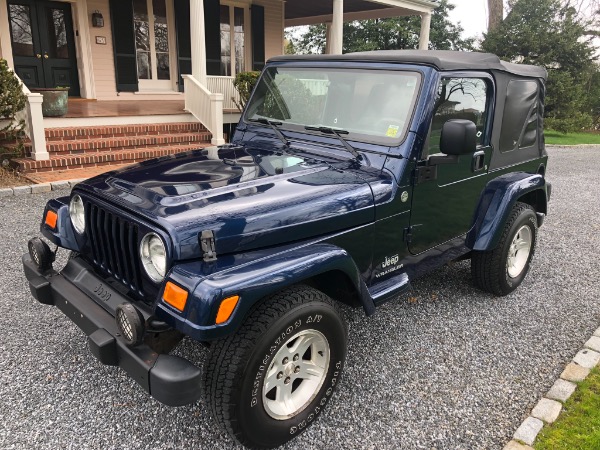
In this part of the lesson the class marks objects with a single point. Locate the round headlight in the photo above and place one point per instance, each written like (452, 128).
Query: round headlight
(154, 256)
(77, 213)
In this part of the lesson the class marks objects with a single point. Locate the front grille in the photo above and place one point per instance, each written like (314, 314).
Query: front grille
(113, 243)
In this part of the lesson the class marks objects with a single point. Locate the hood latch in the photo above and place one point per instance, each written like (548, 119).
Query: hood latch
(207, 241)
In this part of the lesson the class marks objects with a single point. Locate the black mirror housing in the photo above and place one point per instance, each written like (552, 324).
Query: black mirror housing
(459, 137)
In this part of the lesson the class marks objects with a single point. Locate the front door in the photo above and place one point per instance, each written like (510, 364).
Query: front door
(443, 207)
(43, 45)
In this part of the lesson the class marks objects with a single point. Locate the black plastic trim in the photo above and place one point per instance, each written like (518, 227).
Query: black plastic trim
(171, 380)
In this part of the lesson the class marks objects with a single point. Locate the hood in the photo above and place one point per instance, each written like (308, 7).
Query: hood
(249, 198)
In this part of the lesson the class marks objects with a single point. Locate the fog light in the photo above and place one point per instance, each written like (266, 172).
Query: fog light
(131, 323)
(40, 253)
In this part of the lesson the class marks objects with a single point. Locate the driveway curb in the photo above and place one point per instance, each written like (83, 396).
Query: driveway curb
(550, 406)
(39, 188)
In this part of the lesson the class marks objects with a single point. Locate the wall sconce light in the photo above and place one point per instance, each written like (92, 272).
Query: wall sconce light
(97, 19)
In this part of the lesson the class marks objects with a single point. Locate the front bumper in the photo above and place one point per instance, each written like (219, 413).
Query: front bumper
(171, 380)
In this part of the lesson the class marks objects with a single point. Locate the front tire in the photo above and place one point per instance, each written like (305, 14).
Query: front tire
(502, 270)
(270, 380)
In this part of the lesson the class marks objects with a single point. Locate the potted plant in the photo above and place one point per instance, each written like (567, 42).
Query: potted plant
(56, 101)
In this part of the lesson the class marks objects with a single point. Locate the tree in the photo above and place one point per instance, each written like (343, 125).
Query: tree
(495, 14)
(552, 34)
(388, 34)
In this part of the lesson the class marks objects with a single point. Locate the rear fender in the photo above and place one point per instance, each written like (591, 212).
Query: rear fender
(254, 281)
(496, 203)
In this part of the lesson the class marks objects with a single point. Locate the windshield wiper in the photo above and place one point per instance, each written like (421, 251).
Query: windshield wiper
(337, 132)
(274, 125)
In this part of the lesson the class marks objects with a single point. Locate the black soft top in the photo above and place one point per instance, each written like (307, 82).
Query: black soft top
(441, 59)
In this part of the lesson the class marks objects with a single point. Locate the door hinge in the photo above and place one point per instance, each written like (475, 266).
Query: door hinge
(409, 232)
(207, 242)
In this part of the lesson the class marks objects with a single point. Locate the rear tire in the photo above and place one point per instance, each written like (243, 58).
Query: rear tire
(503, 269)
(268, 382)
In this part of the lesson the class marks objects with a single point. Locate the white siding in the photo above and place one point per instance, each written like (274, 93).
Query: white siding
(273, 26)
(103, 62)
(103, 56)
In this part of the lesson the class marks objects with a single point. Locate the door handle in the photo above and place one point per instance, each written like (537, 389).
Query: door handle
(38, 56)
(478, 161)
(46, 56)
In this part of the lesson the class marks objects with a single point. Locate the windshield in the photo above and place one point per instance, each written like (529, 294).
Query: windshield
(371, 105)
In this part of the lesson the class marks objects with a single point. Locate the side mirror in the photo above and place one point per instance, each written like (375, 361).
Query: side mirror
(459, 137)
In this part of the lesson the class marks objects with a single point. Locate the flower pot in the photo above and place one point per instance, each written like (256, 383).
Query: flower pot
(55, 102)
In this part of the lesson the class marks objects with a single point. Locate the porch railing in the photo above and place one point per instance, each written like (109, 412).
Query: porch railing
(224, 85)
(34, 123)
(205, 106)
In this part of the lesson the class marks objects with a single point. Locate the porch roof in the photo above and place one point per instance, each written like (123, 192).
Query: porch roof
(310, 12)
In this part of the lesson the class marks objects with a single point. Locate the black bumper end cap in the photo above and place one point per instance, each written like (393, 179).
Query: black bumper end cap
(104, 347)
(41, 290)
(175, 381)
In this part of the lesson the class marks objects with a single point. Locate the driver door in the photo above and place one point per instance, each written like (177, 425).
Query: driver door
(446, 193)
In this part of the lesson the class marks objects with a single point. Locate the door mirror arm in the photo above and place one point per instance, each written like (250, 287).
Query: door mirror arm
(436, 160)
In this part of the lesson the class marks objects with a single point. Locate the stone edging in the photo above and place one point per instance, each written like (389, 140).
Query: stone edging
(549, 407)
(38, 188)
(572, 146)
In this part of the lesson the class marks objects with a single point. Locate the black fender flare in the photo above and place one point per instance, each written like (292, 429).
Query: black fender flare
(497, 201)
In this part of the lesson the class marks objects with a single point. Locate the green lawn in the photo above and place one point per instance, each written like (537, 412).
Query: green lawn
(556, 138)
(578, 426)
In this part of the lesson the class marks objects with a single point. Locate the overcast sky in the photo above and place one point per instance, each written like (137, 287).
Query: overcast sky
(472, 14)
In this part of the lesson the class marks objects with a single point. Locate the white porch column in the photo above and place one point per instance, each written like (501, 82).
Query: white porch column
(5, 43)
(35, 123)
(425, 28)
(198, 40)
(337, 28)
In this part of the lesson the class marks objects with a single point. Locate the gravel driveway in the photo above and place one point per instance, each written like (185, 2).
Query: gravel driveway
(447, 367)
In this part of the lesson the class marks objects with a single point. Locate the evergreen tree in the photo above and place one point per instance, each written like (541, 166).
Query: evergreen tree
(550, 33)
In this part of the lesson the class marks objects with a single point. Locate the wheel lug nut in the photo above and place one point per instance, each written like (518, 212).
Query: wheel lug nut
(280, 375)
(287, 380)
(297, 369)
(285, 360)
(296, 357)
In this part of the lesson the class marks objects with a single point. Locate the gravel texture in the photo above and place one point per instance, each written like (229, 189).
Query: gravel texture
(445, 367)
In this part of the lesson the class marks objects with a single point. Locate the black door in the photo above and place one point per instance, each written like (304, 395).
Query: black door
(43, 45)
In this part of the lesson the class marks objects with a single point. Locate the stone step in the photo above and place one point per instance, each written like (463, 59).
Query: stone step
(94, 132)
(110, 144)
(128, 156)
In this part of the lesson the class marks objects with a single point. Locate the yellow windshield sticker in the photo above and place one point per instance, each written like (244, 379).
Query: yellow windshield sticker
(392, 131)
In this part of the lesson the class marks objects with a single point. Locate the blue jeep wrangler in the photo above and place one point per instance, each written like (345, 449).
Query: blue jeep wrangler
(348, 176)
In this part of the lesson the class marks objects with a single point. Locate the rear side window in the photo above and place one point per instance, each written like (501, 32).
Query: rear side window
(520, 120)
(460, 98)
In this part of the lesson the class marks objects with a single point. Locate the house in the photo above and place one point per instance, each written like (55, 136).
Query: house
(153, 76)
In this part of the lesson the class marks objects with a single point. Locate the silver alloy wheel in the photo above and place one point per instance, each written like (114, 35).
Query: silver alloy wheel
(296, 374)
(518, 252)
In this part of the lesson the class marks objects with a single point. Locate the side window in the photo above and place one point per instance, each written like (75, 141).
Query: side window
(459, 98)
(521, 114)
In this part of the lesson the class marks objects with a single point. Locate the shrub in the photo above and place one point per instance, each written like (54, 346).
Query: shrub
(12, 100)
(244, 83)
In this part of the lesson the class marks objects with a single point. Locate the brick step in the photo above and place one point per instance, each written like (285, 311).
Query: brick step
(62, 162)
(103, 144)
(93, 132)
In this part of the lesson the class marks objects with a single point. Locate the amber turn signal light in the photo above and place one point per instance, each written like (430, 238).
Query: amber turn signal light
(175, 296)
(226, 308)
(51, 219)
